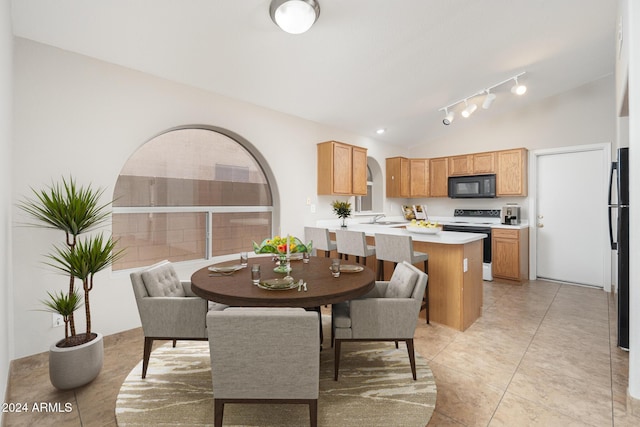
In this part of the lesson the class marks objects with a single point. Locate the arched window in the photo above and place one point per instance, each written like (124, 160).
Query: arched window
(190, 193)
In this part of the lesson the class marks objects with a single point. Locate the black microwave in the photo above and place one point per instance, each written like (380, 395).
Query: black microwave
(472, 187)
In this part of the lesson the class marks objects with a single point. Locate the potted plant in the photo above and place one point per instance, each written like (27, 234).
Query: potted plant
(342, 210)
(77, 359)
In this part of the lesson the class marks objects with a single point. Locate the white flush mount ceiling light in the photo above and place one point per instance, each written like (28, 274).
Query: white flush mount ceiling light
(381, 131)
(469, 109)
(518, 89)
(449, 116)
(294, 16)
(489, 97)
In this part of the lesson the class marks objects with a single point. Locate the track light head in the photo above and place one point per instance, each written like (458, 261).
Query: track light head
(470, 108)
(518, 89)
(488, 100)
(448, 118)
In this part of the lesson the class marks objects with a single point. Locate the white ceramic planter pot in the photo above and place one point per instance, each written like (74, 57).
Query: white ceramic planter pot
(73, 367)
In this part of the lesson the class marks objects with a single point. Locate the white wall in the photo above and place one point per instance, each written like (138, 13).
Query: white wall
(76, 115)
(6, 98)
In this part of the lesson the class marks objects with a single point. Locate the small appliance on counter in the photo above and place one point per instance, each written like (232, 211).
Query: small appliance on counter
(510, 214)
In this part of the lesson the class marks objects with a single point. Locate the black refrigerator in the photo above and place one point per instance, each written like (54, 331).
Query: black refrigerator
(619, 186)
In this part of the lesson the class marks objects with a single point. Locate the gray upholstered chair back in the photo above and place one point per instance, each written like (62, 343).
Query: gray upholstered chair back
(394, 248)
(320, 238)
(351, 242)
(260, 355)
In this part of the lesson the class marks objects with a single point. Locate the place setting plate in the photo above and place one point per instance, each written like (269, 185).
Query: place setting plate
(280, 284)
(348, 268)
(226, 270)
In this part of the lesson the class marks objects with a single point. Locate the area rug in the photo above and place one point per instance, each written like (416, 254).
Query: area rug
(375, 388)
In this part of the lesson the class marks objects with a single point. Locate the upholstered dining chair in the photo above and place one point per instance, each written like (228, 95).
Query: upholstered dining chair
(389, 312)
(264, 355)
(168, 309)
(399, 248)
(354, 243)
(321, 239)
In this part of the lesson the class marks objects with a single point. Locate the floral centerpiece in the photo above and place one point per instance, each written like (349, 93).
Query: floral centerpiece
(282, 247)
(342, 210)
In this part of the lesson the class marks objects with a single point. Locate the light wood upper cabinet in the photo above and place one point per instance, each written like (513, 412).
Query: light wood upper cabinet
(359, 178)
(472, 164)
(461, 165)
(439, 177)
(342, 169)
(419, 169)
(398, 177)
(511, 173)
(484, 163)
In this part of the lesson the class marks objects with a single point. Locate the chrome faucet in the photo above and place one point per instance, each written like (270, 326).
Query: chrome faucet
(376, 218)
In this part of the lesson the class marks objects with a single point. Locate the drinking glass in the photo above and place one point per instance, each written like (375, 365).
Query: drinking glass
(305, 257)
(244, 258)
(255, 274)
(335, 267)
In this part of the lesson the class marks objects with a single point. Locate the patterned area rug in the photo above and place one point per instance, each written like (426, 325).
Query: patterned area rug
(375, 388)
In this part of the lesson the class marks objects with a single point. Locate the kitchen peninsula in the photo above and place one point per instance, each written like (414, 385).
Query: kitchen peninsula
(455, 271)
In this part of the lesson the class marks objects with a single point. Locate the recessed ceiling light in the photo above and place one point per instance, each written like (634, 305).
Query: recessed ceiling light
(381, 131)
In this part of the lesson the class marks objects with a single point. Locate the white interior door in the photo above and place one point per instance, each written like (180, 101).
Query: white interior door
(570, 218)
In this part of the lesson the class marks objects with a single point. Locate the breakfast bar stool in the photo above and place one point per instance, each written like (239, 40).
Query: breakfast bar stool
(321, 239)
(398, 249)
(354, 243)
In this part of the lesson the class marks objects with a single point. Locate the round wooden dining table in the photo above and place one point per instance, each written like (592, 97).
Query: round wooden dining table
(322, 288)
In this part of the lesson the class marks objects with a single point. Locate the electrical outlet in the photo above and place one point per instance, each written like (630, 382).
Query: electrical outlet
(312, 208)
(308, 201)
(56, 320)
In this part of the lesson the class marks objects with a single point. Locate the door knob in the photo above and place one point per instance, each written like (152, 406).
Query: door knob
(540, 225)
(540, 216)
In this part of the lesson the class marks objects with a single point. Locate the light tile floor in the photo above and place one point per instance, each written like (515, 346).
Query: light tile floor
(542, 354)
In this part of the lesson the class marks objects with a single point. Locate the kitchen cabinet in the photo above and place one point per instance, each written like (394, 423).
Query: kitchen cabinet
(419, 169)
(461, 165)
(484, 163)
(511, 173)
(342, 169)
(407, 178)
(439, 177)
(472, 164)
(398, 177)
(510, 254)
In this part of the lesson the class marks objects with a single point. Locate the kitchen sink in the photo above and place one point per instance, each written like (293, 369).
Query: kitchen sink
(387, 222)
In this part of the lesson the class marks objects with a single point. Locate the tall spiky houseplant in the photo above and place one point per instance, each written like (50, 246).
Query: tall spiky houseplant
(74, 210)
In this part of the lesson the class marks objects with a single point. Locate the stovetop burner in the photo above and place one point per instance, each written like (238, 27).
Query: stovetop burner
(476, 213)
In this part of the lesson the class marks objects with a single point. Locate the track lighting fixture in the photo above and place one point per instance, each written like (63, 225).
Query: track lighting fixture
(469, 109)
(489, 97)
(517, 88)
(488, 100)
(448, 118)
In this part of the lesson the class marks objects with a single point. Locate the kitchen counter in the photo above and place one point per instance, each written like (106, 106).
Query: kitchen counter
(455, 269)
(443, 237)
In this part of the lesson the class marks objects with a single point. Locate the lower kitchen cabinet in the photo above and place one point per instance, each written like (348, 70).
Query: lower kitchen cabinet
(510, 254)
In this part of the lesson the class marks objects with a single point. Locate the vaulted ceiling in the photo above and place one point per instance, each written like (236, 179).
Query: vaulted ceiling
(364, 65)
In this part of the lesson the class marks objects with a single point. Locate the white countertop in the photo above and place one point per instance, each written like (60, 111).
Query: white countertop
(444, 237)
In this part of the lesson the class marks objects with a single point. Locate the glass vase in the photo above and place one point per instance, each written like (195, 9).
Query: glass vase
(284, 264)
